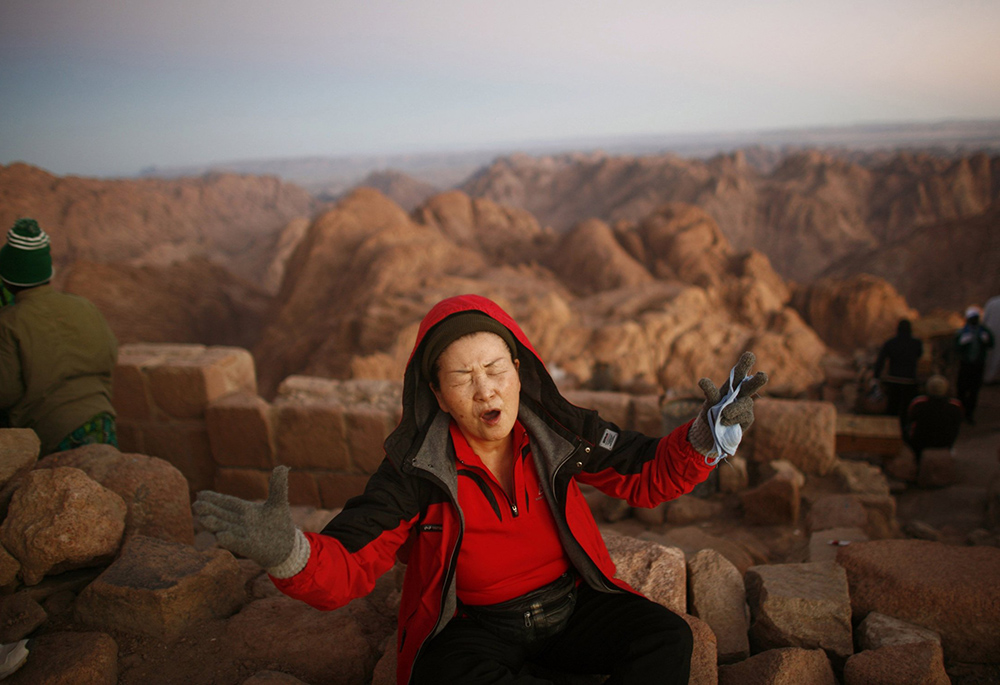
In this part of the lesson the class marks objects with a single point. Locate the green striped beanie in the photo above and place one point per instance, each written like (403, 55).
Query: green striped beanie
(26, 260)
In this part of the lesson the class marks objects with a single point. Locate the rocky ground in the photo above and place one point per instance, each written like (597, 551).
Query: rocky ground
(938, 563)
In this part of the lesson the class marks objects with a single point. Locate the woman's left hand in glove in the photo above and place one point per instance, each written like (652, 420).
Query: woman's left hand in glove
(740, 411)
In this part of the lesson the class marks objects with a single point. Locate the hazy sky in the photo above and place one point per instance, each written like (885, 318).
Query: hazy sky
(104, 87)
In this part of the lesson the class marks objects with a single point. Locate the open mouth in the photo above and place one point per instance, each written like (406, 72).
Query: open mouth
(491, 417)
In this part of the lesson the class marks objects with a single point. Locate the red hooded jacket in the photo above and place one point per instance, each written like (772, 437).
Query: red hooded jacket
(412, 499)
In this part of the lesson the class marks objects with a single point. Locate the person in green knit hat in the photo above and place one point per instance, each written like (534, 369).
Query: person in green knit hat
(57, 353)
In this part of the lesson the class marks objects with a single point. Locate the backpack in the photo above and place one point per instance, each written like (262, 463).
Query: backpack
(972, 343)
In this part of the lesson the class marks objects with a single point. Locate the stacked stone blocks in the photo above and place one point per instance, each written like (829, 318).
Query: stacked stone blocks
(198, 408)
(161, 393)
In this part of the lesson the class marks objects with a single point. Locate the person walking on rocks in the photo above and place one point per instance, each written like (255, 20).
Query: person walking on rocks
(479, 494)
(901, 353)
(57, 352)
(933, 420)
(972, 343)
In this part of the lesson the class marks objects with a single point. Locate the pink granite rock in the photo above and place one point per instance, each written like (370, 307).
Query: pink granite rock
(691, 540)
(320, 646)
(60, 519)
(733, 475)
(958, 590)
(160, 588)
(914, 663)
(689, 509)
(20, 615)
(155, 492)
(776, 501)
(716, 595)
(861, 478)
(836, 511)
(803, 432)
(704, 658)
(800, 605)
(879, 630)
(656, 571)
(69, 659)
(786, 666)
(823, 544)
(241, 431)
(9, 568)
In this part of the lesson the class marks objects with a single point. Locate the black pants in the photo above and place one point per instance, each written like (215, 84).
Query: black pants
(968, 383)
(636, 641)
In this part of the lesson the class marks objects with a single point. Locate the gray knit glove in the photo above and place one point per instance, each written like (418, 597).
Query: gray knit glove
(740, 411)
(262, 531)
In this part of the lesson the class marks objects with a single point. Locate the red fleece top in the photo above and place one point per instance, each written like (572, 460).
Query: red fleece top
(510, 546)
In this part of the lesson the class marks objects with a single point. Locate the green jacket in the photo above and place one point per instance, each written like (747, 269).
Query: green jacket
(57, 355)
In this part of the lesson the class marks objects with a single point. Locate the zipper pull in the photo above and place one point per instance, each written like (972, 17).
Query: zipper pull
(527, 619)
(513, 509)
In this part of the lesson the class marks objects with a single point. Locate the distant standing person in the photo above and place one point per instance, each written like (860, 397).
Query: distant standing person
(933, 420)
(973, 342)
(900, 381)
(57, 352)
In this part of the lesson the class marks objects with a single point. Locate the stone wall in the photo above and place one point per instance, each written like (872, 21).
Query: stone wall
(162, 393)
(198, 408)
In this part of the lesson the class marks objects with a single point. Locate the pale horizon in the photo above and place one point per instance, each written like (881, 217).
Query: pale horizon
(102, 88)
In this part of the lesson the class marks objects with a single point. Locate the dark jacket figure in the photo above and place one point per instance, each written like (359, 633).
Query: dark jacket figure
(900, 381)
(933, 419)
(57, 353)
(972, 343)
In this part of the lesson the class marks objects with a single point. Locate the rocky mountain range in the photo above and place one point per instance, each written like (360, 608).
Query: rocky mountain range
(190, 301)
(810, 211)
(940, 265)
(657, 270)
(230, 219)
(332, 176)
(183, 260)
(661, 303)
(406, 191)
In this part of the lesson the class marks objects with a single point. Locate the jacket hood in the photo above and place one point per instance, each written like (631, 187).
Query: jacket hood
(461, 304)
(420, 407)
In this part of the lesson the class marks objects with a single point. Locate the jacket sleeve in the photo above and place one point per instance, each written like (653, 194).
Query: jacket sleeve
(645, 471)
(359, 544)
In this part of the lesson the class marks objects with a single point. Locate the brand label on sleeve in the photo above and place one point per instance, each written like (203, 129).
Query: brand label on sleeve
(609, 439)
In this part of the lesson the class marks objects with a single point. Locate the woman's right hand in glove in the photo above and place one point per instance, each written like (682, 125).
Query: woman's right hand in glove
(262, 531)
